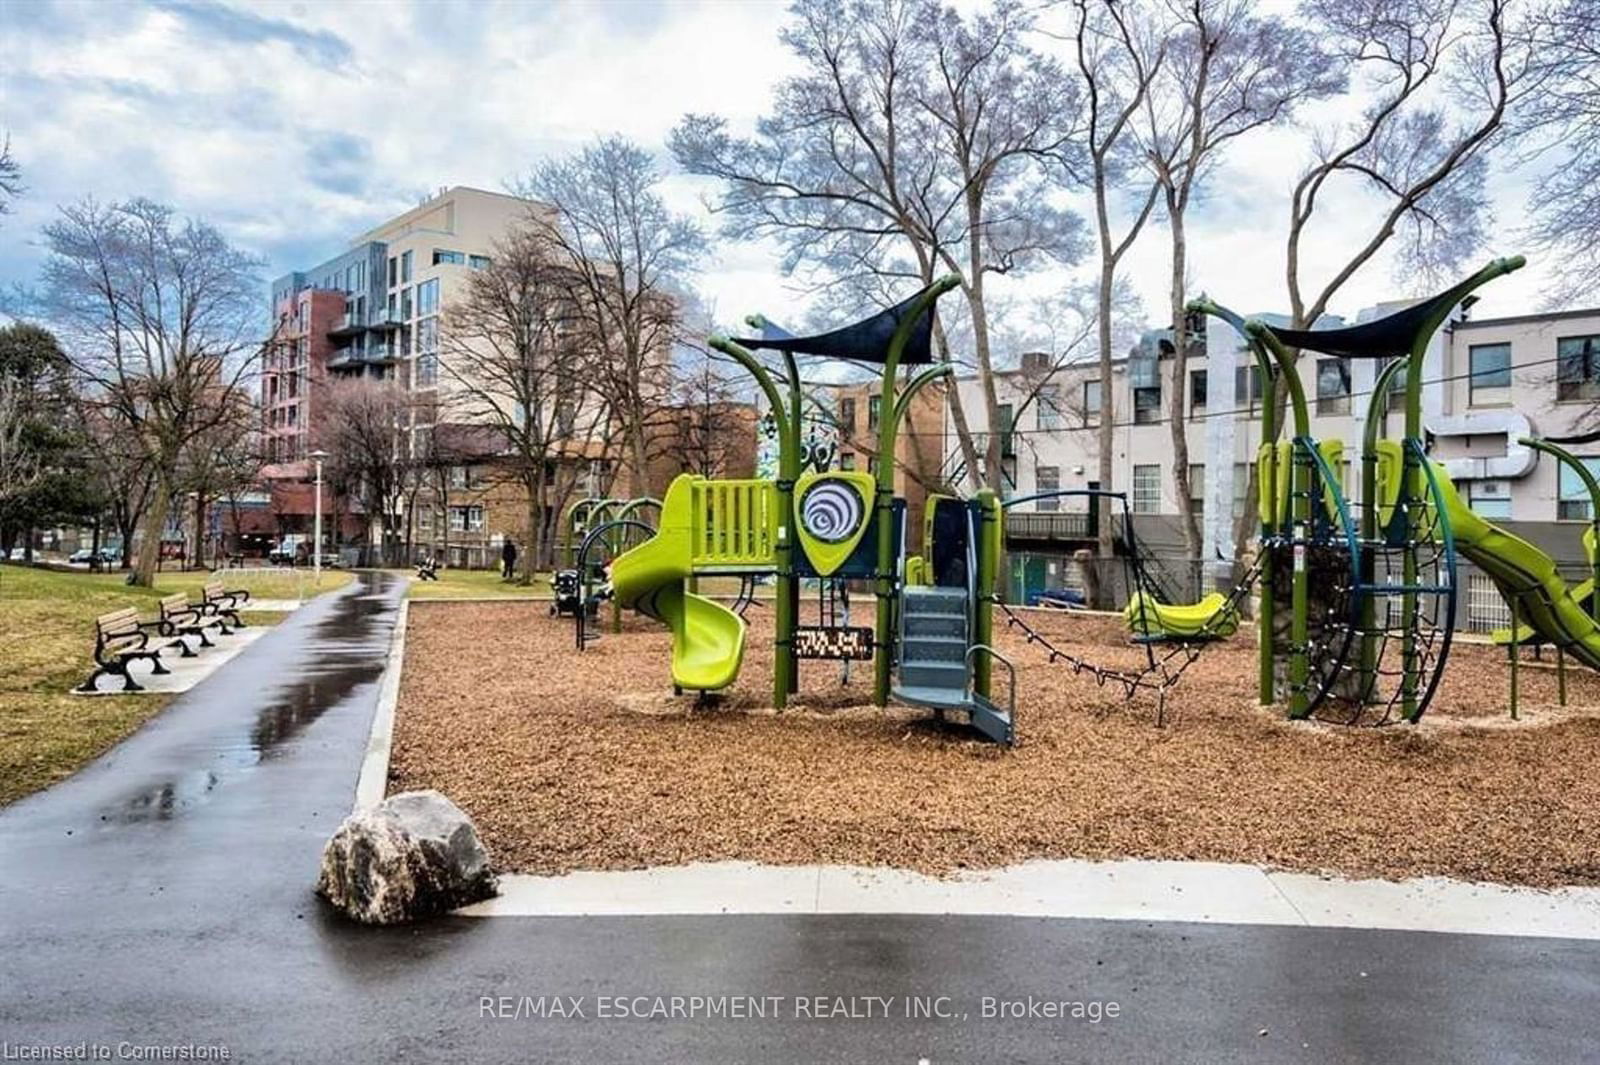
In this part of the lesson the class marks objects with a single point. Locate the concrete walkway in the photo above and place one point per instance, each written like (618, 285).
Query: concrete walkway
(162, 897)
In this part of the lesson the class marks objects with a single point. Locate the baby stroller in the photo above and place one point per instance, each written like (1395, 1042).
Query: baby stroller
(568, 591)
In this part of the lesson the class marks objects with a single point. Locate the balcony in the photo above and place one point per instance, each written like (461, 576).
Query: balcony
(382, 319)
(347, 325)
(1047, 527)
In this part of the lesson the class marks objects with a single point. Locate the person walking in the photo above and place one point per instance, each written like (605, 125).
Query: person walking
(508, 560)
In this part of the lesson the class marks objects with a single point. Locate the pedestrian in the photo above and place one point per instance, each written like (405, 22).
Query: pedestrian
(508, 559)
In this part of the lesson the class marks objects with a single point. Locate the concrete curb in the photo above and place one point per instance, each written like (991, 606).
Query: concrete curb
(374, 779)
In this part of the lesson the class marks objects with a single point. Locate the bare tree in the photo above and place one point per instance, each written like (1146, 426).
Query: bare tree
(10, 177)
(521, 352)
(626, 254)
(221, 460)
(915, 142)
(161, 315)
(1562, 123)
(364, 425)
(710, 424)
(123, 470)
(19, 465)
(1118, 55)
(1228, 72)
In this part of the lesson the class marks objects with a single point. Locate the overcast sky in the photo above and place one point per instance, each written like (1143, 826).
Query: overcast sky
(295, 126)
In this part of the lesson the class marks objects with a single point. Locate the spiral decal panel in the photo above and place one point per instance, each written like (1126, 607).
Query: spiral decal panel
(832, 511)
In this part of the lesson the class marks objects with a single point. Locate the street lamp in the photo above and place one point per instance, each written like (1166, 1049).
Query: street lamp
(316, 533)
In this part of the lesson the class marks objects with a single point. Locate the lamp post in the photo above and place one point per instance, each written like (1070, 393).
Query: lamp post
(316, 533)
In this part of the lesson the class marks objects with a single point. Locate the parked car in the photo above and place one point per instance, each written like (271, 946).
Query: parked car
(109, 556)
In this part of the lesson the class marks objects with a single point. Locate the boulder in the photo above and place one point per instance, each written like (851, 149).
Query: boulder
(414, 855)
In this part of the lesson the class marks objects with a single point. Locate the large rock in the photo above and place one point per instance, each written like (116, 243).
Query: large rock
(414, 855)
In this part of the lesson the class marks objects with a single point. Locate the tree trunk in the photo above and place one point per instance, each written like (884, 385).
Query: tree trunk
(1106, 435)
(154, 525)
(1180, 388)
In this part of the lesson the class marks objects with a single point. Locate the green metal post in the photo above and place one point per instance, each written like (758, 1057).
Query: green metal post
(788, 469)
(1372, 432)
(983, 609)
(1591, 484)
(886, 585)
(1511, 648)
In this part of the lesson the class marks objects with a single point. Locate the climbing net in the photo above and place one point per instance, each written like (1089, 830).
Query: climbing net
(1380, 645)
(1164, 667)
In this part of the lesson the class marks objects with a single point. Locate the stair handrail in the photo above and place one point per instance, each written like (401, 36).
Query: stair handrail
(1011, 699)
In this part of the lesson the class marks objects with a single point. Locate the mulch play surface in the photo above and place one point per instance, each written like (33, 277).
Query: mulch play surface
(586, 761)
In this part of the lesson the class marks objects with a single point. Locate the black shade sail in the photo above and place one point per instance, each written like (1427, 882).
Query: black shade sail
(1391, 335)
(866, 340)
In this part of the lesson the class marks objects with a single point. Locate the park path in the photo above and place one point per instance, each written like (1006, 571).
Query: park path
(163, 897)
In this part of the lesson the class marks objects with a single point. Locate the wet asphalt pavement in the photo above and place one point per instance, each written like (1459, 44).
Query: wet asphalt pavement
(163, 897)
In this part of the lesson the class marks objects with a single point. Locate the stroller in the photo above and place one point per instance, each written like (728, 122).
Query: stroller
(568, 591)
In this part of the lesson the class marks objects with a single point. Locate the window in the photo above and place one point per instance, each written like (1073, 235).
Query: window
(1578, 368)
(1197, 393)
(1008, 443)
(847, 461)
(1241, 488)
(445, 255)
(292, 416)
(479, 262)
(1397, 385)
(294, 385)
(405, 268)
(1247, 387)
(1333, 386)
(1147, 405)
(1091, 404)
(1049, 407)
(428, 298)
(1572, 497)
(1147, 489)
(1047, 479)
(874, 403)
(1490, 383)
(392, 278)
(466, 519)
(459, 477)
(1197, 488)
(1489, 499)
(427, 336)
(847, 414)
(405, 305)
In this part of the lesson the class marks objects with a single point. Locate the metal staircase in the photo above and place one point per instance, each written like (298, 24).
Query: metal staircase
(936, 660)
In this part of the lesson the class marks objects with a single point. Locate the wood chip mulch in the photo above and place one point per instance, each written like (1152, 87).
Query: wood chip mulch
(587, 761)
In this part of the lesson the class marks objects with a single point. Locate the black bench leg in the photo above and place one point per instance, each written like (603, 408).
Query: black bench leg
(128, 683)
(205, 641)
(155, 661)
(184, 650)
(233, 619)
(89, 685)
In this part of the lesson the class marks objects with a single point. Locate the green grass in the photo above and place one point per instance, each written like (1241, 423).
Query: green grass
(477, 584)
(47, 630)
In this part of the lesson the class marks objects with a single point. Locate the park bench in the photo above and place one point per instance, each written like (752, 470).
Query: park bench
(121, 638)
(179, 618)
(223, 605)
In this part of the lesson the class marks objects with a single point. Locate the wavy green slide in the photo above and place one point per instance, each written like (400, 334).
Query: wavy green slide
(1526, 577)
(707, 637)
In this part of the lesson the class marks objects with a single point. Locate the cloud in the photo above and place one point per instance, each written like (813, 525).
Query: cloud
(238, 26)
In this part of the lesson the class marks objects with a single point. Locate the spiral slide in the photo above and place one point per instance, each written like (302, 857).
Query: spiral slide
(1526, 577)
(707, 637)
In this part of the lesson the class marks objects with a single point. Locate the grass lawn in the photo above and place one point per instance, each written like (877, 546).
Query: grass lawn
(477, 584)
(47, 629)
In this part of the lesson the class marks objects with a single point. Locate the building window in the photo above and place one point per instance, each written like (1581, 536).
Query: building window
(466, 519)
(1147, 405)
(1396, 400)
(847, 461)
(1147, 489)
(1490, 380)
(459, 477)
(1573, 497)
(874, 411)
(1197, 488)
(405, 305)
(405, 268)
(427, 371)
(428, 297)
(1008, 443)
(1047, 479)
(1049, 407)
(479, 262)
(1489, 499)
(1247, 387)
(443, 256)
(1333, 386)
(1197, 393)
(1241, 488)
(847, 414)
(1578, 368)
(1091, 404)
(393, 278)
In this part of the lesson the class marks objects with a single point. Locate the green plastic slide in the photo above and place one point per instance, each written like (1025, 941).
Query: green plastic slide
(707, 637)
(1526, 577)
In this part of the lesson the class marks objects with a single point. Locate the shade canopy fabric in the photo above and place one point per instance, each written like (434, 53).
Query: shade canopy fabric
(865, 341)
(1391, 335)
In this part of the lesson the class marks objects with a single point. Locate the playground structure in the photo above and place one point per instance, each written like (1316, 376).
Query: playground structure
(1356, 598)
